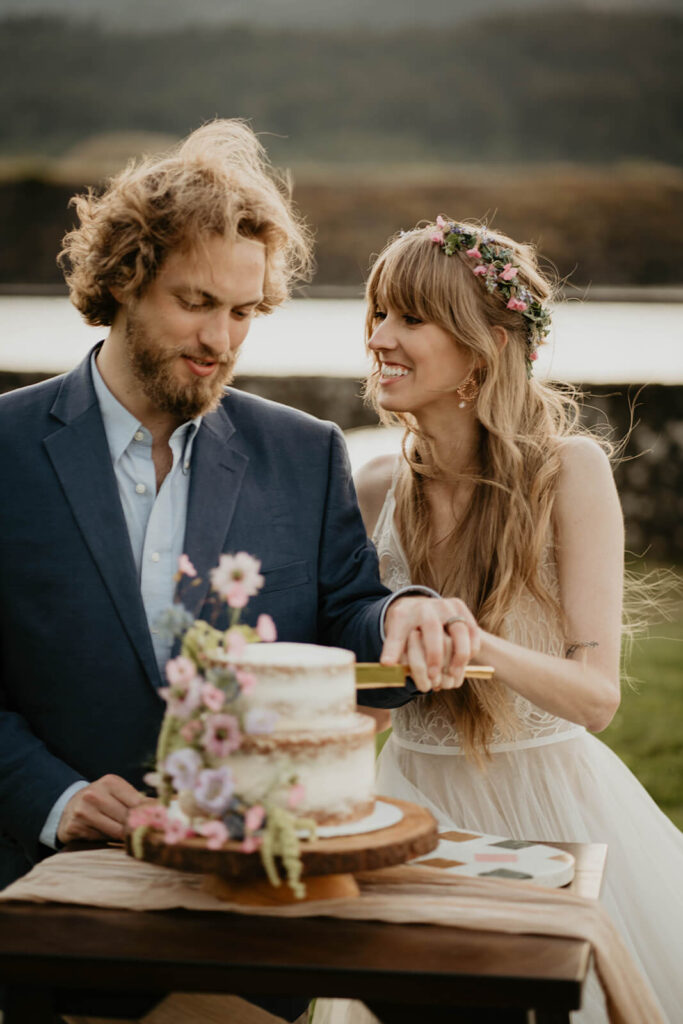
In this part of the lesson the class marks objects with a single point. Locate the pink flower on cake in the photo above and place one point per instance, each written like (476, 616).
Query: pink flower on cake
(175, 831)
(148, 816)
(221, 735)
(191, 730)
(260, 720)
(509, 273)
(235, 643)
(212, 697)
(182, 698)
(237, 578)
(296, 795)
(185, 566)
(180, 671)
(247, 680)
(215, 834)
(213, 789)
(251, 844)
(517, 305)
(183, 766)
(265, 627)
(254, 818)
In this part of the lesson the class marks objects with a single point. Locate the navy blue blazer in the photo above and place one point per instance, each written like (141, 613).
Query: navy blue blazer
(78, 677)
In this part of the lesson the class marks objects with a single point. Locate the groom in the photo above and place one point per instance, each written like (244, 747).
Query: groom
(140, 454)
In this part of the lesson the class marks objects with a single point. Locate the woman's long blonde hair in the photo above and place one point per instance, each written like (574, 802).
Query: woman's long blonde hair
(500, 542)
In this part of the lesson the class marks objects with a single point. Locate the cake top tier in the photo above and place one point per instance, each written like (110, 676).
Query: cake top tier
(290, 657)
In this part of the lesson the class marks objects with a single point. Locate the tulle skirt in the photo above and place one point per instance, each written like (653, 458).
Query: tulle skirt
(572, 790)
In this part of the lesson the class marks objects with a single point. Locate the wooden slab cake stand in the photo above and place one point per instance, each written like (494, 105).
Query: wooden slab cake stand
(328, 865)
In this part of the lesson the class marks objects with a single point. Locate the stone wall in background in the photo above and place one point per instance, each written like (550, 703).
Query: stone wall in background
(649, 472)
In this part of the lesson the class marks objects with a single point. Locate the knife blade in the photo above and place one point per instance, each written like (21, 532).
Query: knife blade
(371, 675)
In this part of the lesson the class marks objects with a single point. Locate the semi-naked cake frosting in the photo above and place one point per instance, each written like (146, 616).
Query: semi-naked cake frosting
(306, 695)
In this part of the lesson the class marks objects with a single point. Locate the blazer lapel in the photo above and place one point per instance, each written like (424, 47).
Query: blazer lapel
(218, 468)
(81, 458)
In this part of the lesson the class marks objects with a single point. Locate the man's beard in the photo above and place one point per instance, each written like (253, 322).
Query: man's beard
(153, 367)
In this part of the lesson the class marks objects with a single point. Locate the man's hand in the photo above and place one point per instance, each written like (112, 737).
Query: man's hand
(98, 811)
(436, 638)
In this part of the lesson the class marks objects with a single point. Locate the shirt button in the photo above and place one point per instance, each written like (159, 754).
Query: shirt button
(155, 556)
(139, 436)
(140, 488)
(155, 632)
(186, 466)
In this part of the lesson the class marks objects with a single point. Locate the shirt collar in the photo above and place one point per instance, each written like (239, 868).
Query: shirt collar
(120, 426)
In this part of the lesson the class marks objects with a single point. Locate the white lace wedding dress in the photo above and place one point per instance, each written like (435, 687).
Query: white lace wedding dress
(555, 781)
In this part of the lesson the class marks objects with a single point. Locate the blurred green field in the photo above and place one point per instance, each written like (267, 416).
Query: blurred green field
(647, 730)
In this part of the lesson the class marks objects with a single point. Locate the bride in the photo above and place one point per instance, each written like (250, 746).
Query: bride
(501, 500)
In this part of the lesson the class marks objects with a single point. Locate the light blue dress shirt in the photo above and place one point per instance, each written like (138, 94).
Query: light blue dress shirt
(155, 520)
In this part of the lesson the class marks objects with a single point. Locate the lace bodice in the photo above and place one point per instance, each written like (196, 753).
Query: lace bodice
(419, 727)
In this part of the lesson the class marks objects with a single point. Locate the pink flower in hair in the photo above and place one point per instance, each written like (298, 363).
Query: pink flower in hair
(473, 253)
(480, 271)
(441, 223)
(437, 236)
(254, 818)
(533, 356)
(265, 627)
(517, 305)
(215, 834)
(185, 566)
(509, 273)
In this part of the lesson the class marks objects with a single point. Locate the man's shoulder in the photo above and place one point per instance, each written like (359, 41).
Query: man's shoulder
(30, 400)
(269, 415)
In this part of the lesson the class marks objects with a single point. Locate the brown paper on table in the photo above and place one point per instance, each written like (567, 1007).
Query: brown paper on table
(409, 894)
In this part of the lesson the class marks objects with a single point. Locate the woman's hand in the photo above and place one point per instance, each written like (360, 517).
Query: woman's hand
(436, 638)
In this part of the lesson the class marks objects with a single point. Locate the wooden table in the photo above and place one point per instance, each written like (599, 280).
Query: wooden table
(49, 951)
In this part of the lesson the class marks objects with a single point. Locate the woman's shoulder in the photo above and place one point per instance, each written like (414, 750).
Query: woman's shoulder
(582, 456)
(373, 480)
(585, 487)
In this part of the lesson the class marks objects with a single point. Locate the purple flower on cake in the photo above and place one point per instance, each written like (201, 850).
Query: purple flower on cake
(185, 567)
(260, 720)
(221, 735)
(215, 834)
(212, 697)
(237, 578)
(183, 766)
(265, 627)
(213, 789)
(254, 818)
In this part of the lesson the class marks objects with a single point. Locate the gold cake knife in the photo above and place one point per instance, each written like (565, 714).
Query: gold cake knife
(370, 675)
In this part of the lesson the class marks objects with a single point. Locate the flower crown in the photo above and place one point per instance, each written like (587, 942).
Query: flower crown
(496, 266)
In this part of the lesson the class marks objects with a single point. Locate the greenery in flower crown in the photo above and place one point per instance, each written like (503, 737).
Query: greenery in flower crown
(205, 723)
(495, 265)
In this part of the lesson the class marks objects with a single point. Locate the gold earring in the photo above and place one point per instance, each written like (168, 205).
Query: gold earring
(467, 391)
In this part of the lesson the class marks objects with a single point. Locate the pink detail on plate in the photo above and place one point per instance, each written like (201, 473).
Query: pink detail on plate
(496, 858)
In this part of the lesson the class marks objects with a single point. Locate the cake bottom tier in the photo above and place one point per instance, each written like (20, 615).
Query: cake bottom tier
(336, 768)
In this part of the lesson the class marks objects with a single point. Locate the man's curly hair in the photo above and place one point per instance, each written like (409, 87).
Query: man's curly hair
(218, 181)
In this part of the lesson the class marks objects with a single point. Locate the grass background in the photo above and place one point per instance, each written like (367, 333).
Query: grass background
(647, 730)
